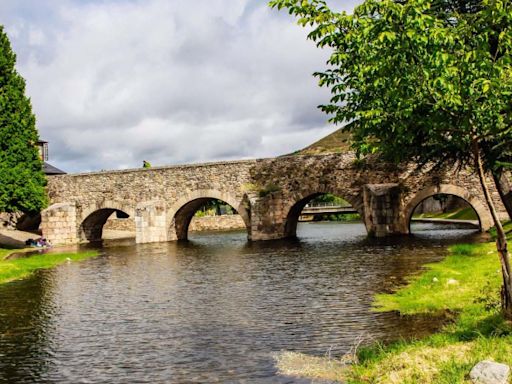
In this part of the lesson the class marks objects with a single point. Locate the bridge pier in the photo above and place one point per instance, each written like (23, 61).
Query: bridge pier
(151, 222)
(268, 218)
(382, 209)
(59, 223)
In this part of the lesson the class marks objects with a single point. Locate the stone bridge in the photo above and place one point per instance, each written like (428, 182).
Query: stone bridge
(269, 195)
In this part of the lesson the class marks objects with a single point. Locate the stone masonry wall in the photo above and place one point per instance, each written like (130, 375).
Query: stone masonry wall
(269, 194)
(217, 223)
(288, 181)
(175, 186)
(128, 187)
(59, 223)
(116, 224)
(205, 223)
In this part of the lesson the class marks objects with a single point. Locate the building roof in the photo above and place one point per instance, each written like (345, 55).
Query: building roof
(49, 169)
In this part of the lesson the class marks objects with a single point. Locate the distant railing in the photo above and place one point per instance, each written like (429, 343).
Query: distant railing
(328, 204)
(319, 208)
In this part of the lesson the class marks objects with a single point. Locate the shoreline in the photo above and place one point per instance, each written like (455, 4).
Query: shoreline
(466, 284)
(12, 269)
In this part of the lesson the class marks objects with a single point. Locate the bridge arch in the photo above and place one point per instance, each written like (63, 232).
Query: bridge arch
(181, 213)
(295, 206)
(480, 209)
(93, 218)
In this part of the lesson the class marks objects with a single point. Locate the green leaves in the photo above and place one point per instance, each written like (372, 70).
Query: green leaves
(21, 177)
(389, 36)
(406, 76)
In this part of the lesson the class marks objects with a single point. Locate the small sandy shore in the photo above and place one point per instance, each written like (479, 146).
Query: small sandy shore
(15, 239)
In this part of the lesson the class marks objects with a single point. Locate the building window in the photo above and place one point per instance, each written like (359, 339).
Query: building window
(43, 150)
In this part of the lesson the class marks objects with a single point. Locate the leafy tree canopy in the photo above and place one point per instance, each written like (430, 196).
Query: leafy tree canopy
(21, 177)
(418, 79)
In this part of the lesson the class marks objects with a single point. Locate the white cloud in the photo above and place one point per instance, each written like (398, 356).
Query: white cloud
(116, 82)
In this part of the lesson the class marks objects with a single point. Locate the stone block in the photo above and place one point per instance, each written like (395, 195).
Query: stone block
(489, 372)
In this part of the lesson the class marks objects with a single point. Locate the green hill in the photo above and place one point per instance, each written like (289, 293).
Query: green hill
(336, 142)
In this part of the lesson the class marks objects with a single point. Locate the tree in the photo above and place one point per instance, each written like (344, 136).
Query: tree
(447, 8)
(421, 81)
(21, 176)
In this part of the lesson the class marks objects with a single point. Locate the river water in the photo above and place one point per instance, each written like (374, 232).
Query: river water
(215, 309)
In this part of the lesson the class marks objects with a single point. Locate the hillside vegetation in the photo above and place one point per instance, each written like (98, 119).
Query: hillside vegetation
(336, 142)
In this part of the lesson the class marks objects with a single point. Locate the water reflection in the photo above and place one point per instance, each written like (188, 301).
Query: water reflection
(209, 310)
(26, 329)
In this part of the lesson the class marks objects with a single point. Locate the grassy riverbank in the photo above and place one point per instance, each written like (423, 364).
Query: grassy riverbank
(465, 285)
(460, 214)
(16, 269)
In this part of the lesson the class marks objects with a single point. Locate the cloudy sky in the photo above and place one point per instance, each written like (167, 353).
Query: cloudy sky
(114, 82)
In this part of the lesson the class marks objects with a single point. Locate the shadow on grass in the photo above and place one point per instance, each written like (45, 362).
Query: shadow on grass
(492, 325)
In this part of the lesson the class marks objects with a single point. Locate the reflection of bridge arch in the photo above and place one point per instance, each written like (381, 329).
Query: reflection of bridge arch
(93, 218)
(182, 212)
(483, 214)
(295, 206)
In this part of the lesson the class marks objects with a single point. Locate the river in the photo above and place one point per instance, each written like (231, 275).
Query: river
(214, 309)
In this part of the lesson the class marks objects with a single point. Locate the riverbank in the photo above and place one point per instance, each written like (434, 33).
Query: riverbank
(459, 214)
(465, 286)
(19, 268)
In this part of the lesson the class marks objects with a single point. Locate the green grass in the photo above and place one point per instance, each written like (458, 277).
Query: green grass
(447, 285)
(344, 217)
(21, 268)
(464, 214)
(447, 360)
(6, 252)
(461, 214)
(336, 142)
(464, 287)
(465, 284)
(507, 227)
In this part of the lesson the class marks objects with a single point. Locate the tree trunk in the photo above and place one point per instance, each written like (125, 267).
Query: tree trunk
(503, 187)
(501, 239)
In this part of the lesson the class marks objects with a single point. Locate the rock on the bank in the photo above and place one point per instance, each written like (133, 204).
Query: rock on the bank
(489, 372)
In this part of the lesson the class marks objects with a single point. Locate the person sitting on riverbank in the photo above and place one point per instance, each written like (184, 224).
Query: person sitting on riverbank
(40, 243)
